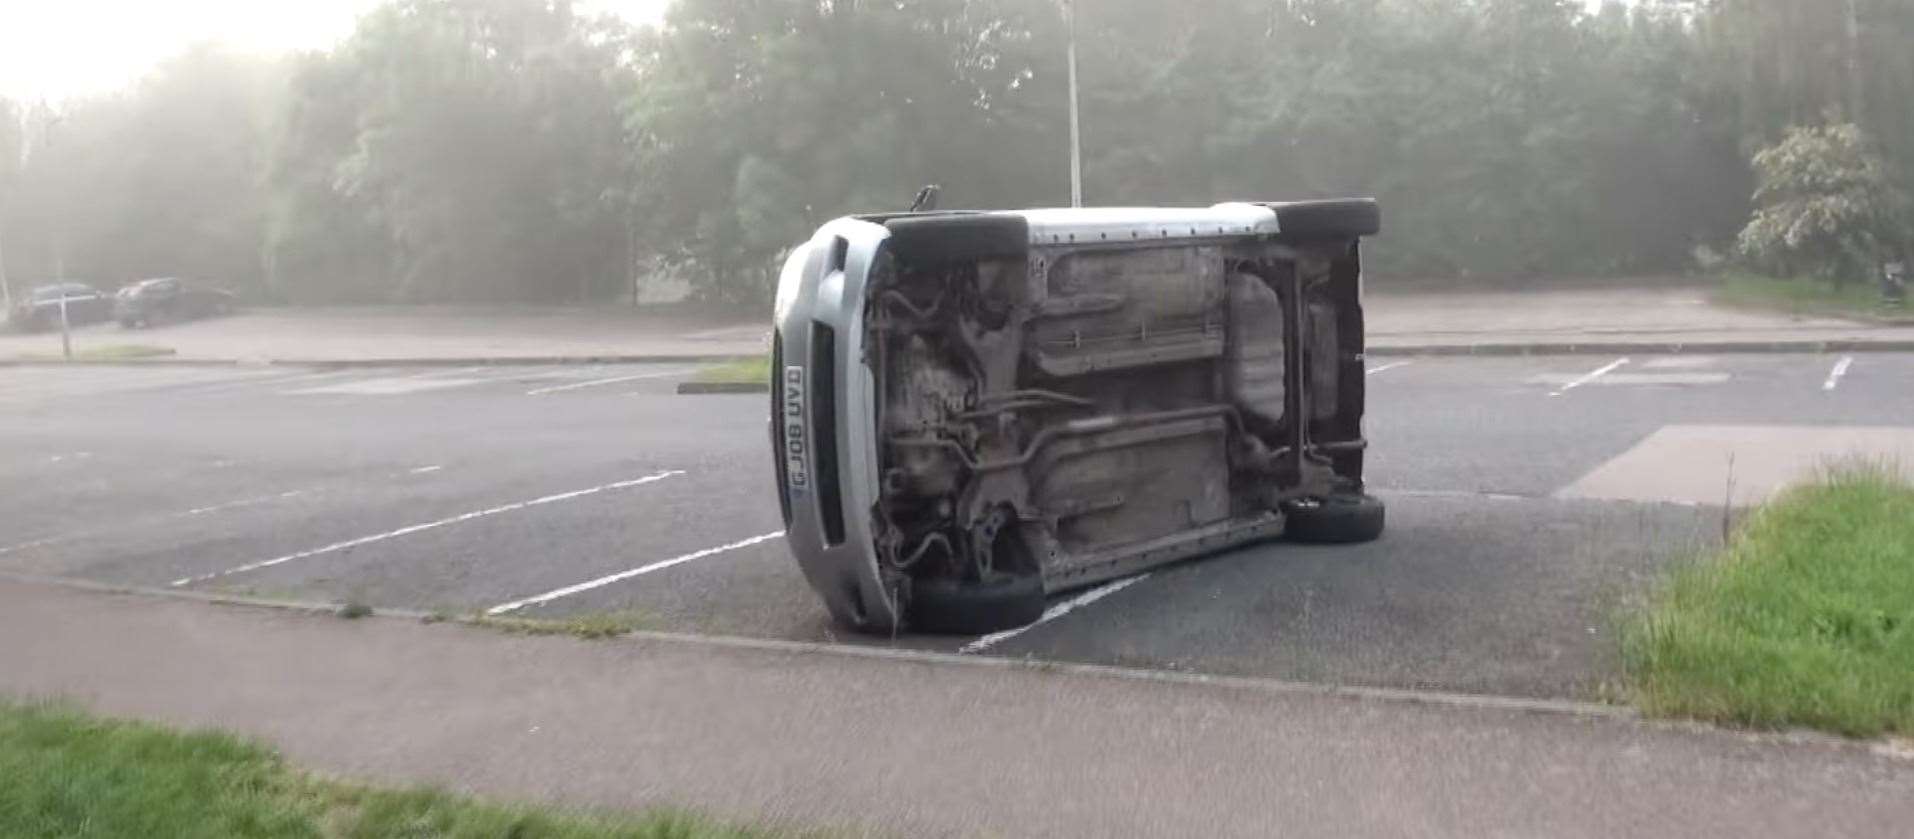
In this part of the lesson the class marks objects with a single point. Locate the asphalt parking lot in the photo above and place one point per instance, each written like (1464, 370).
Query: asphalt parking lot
(550, 491)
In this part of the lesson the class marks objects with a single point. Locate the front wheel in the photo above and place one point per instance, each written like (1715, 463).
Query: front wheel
(954, 607)
(1333, 520)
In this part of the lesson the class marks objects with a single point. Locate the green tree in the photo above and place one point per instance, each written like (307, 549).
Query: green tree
(476, 145)
(1826, 207)
(755, 120)
(161, 179)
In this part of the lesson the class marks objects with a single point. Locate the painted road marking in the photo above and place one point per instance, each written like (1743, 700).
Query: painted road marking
(1840, 370)
(424, 470)
(244, 502)
(431, 525)
(547, 597)
(196, 511)
(1743, 465)
(1611, 367)
(1679, 362)
(1052, 613)
(1626, 379)
(1390, 366)
(601, 382)
(386, 387)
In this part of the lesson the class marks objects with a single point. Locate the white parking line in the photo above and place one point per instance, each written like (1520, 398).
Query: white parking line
(1840, 370)
(601, 382)
(547, 597)
(1617, 364)
(1052, 613)
(431, 525)
(1390, 366)
(244, 502)
(424, 470)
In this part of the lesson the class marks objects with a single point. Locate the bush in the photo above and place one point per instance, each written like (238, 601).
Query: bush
(1826, 207)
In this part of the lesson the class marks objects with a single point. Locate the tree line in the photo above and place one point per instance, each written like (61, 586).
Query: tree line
(523, 151)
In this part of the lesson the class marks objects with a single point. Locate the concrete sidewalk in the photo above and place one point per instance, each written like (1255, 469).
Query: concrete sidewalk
(1554, 321)
(916, 746)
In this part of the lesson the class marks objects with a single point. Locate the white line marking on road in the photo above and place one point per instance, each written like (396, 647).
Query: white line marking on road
(1052, 613)
(50, 540)
(601, 382)
(1617, 364)
(1458, 494)
(424, 470)
(547, 597)
(1840, 370)
(431, 525)
(1390, 366)
(244, 502)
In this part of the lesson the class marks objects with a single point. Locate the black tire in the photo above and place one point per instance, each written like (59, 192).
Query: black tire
(1335, 520)
(961, 237)
(1342, 218)
(950, 607)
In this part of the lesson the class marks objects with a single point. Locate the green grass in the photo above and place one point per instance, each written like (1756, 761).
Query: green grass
(110, 352)
(742, 371)
(591, 627)
(69, 774)
(1806, 619)
(1803, 297)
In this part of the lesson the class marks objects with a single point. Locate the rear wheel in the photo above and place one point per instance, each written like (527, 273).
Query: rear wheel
(1333, 520)
(957, 607)
(958, 237)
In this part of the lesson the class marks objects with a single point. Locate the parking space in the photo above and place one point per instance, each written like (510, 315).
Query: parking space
(547, 491)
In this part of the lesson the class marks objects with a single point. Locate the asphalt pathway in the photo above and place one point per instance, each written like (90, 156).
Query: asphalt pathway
(549, 491)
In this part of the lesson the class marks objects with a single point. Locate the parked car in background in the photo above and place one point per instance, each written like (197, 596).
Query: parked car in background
(155, 301)
(39, 309)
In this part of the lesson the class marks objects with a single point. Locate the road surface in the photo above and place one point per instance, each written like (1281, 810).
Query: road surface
(1529, 499)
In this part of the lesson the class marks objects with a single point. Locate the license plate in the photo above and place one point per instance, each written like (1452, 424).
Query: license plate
(797, 441)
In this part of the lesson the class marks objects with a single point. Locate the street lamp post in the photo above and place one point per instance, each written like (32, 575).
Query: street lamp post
(59, 255)
(1076, 135)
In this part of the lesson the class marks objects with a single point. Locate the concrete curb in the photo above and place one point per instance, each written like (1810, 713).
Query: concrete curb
(1267, 686)
(1272, 687)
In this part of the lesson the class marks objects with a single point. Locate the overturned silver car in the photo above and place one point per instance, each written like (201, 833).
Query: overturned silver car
(973, 411)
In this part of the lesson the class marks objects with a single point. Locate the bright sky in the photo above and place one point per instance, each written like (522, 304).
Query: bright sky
(53, 49)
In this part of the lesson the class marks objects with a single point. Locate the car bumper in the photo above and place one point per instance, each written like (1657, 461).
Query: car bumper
(823, 421)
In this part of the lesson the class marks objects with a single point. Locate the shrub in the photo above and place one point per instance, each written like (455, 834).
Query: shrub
(1826, 206)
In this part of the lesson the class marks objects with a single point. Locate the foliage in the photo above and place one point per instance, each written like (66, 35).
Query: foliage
(457, 150)
(71, 774)
(522, 150)
(1826, 206)
(160, 180)
(1806, 619)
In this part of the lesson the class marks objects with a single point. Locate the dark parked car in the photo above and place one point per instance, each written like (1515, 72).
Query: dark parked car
(40, 309)
(150, 302)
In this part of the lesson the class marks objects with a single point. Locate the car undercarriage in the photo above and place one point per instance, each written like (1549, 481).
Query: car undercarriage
(1060, 398)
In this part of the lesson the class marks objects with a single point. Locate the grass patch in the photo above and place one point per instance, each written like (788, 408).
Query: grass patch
(110, 352)
(740, 371)
(595, 626)
(1804, 297)
(1806, 619)
(71, 774)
